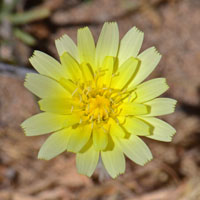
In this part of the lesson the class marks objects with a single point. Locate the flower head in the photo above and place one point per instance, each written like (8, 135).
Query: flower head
(94, 103)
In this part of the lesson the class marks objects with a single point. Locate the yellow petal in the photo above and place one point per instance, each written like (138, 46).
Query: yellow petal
(43, 123)
(135, 149)
(108, 42)
(113, 161)
(68, 85)
(116, 129)
(149, 60)
(125, 73)
(150, 89)
(86, 71)
(137, 126)
(107, 70)
(162, 131)
(100, 138)
(87, 159)
(86, 46)
(130, 44)
(66, 44)
(43, 86)
(161, 106)
(54, 145)
(46, 65)
(58, 105)
(79, 137)
(134, 109)
(70, 67)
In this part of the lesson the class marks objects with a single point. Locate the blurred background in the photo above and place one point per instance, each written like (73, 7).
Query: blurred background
(170, 25)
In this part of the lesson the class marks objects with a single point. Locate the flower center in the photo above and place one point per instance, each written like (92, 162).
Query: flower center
(99, 104)
(99, 107)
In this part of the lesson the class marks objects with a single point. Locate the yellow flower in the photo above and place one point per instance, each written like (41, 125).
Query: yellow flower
(94, 102)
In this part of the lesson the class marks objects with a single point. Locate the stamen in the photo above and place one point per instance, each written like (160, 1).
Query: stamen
(99, 118)
(72, 108)
(88, 107)
(91, 118)
(73, 93)
(117, 120)
(92, 125)
(106, 111)
(111, 109)
(111, 100)
(106, 131)
(80, 98)
(115, 74)
(88, 90)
